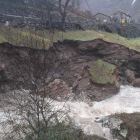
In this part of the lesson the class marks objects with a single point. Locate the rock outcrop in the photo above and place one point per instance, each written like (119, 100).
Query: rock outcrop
(68, 61)
(123, 126)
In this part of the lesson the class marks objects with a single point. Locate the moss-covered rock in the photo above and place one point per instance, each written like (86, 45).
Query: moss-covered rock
(102, 72)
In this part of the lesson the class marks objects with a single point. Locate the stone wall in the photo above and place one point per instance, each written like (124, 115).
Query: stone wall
(37, 23)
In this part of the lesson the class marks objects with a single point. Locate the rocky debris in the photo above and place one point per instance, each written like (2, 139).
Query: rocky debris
(69, 62)
(97, 79)
(57, 90)
(123, 126)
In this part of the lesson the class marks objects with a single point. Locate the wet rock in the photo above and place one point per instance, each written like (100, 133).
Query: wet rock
(90, 127)
(117, 86)
(136, 82)
(58, 89)
(130, 75)
(115, 125)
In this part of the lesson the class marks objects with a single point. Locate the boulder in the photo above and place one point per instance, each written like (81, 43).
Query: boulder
(102, 72)
(98, 80)
(136, 82)
(58, 89)
(130, 75)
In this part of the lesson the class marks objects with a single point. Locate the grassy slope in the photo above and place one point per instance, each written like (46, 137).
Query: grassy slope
(113, 38)
(42, 39)
(27, 38)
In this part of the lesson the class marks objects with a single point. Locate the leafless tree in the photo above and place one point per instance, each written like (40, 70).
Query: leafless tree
(63, 9)
(29, 116)
(50, 4)
(63, 12)
(28, 113)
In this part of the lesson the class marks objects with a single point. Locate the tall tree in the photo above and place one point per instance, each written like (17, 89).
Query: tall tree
(63, 12)
(63, 7)
(50, 6)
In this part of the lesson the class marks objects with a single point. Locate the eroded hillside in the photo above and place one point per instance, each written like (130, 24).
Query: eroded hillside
(67, 65)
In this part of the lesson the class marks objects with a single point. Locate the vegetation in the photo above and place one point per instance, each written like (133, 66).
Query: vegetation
(30, 117)
(61, 131)
(39, 39)
(27, 38)
(101, 72)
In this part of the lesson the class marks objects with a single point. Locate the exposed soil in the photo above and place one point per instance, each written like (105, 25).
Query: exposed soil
(28, 68)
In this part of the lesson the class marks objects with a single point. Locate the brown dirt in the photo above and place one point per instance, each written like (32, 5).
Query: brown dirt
(28, 68)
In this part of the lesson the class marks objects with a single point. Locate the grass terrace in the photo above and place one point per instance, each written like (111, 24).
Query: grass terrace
(44, 39)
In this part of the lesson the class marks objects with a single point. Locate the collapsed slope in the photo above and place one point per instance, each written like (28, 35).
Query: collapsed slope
(66, 65)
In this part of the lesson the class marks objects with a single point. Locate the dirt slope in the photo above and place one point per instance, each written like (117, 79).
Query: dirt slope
(68, 63)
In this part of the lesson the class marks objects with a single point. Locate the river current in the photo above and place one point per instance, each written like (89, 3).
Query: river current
(84, 115)
(126, 101)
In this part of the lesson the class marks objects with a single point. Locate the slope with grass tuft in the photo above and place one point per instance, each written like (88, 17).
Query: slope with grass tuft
(44, 39)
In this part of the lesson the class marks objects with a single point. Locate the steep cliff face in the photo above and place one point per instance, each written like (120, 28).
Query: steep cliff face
(67, 64)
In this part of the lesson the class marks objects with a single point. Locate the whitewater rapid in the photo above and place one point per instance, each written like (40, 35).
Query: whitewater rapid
(84, 115)
(127, 100)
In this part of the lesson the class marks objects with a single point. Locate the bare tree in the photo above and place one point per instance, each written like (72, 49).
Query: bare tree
(28, 113)
(63, 9)
(63, 12)
(50, 7)
(30, 116)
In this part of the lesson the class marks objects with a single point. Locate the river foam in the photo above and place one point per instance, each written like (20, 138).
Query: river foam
(84, 116)
(126, 101)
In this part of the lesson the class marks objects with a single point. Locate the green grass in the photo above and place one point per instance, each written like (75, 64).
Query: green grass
(27, 38)
(44, 39)
(91, 35)
(2, 39)
(113, 38)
